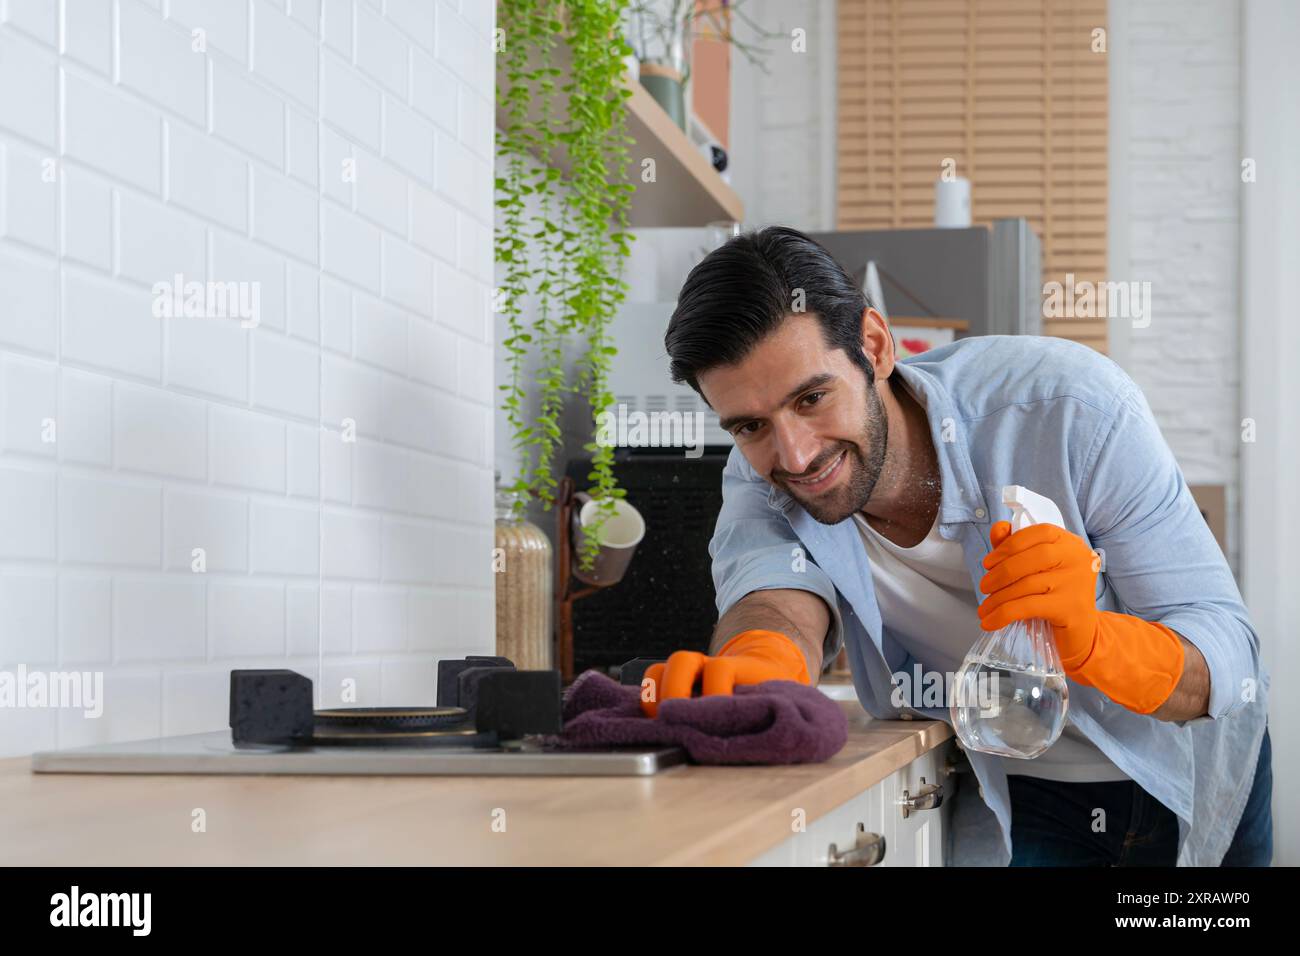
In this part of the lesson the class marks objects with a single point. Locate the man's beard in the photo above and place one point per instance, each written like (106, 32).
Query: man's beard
(833, 506)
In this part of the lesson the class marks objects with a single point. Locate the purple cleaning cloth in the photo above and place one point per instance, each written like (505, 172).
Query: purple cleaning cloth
(774, 722)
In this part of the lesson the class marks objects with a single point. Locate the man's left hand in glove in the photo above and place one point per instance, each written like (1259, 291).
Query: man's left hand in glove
(1044, 571)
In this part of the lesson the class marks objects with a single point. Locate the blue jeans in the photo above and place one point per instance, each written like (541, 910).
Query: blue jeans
(1052, 823)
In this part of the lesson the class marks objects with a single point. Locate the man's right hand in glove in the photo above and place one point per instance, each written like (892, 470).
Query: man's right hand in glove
(750, 657)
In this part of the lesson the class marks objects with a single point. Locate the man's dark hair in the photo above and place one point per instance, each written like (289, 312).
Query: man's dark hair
(743, 290)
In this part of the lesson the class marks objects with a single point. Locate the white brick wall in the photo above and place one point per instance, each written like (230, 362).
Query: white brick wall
(1181, 173)
(782, 147)
(338, 153)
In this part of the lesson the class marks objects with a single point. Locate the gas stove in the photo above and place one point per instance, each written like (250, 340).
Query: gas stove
(490, 719)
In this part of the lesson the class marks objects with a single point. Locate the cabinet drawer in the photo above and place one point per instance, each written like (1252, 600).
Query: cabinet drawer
(914, 840)
(839, 828)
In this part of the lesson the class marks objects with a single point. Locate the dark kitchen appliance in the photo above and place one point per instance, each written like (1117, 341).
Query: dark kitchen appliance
(665, 602)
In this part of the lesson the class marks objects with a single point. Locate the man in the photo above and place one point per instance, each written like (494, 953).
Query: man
(862, 508)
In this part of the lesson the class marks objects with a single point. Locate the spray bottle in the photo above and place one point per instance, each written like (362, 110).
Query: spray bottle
(1010, 697)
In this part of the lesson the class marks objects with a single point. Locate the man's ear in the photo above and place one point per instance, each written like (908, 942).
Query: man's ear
(877, 343)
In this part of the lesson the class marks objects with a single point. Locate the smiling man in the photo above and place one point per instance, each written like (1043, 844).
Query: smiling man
(862, 509)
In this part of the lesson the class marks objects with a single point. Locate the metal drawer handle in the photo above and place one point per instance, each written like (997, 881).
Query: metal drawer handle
(868, 850)
(928, 797)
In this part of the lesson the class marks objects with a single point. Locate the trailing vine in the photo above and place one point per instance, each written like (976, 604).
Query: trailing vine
(510, 246)
(578, 279)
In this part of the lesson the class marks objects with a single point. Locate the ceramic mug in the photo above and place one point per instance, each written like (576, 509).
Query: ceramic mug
(619, 537)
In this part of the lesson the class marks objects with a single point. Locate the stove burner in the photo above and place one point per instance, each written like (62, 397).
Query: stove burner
(371, 720)
(459, 737)
(398, 726)
(483, 702)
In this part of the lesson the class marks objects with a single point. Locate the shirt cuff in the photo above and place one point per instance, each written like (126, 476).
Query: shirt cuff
(1225, 698)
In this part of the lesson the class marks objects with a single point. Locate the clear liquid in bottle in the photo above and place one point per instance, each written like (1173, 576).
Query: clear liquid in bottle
(1010, 697)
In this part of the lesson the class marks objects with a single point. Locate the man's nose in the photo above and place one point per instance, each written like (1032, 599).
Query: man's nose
(796, 447)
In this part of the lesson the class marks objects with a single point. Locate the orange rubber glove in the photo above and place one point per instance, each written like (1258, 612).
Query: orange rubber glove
(750, 657)
(1045, 571)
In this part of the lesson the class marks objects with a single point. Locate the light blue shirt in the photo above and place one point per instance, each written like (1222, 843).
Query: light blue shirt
(1068, 423)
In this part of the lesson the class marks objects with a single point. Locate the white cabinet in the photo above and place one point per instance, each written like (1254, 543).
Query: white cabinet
(917, 825)
(853, 827)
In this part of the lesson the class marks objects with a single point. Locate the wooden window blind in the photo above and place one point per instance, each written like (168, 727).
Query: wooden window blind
(1012, 90)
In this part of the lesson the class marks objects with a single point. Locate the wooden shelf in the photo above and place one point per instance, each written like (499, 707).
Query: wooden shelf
(687, 190)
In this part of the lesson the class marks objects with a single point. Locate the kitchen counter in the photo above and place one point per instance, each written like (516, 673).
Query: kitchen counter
(690, 815)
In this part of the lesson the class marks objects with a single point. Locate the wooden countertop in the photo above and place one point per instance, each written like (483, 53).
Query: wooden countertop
(688, 815)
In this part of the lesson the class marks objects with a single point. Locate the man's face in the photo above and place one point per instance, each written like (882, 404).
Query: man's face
(804, 417)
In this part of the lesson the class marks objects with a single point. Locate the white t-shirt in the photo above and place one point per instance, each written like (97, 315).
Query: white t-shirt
(926, 598)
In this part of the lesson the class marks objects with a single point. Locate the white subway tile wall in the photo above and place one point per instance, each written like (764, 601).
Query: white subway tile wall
(303, 479)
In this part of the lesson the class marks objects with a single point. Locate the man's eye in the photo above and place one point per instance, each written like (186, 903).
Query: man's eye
(812, 398)
(746, 429)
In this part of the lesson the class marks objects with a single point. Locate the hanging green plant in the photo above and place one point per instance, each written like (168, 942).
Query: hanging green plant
(569, 253)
